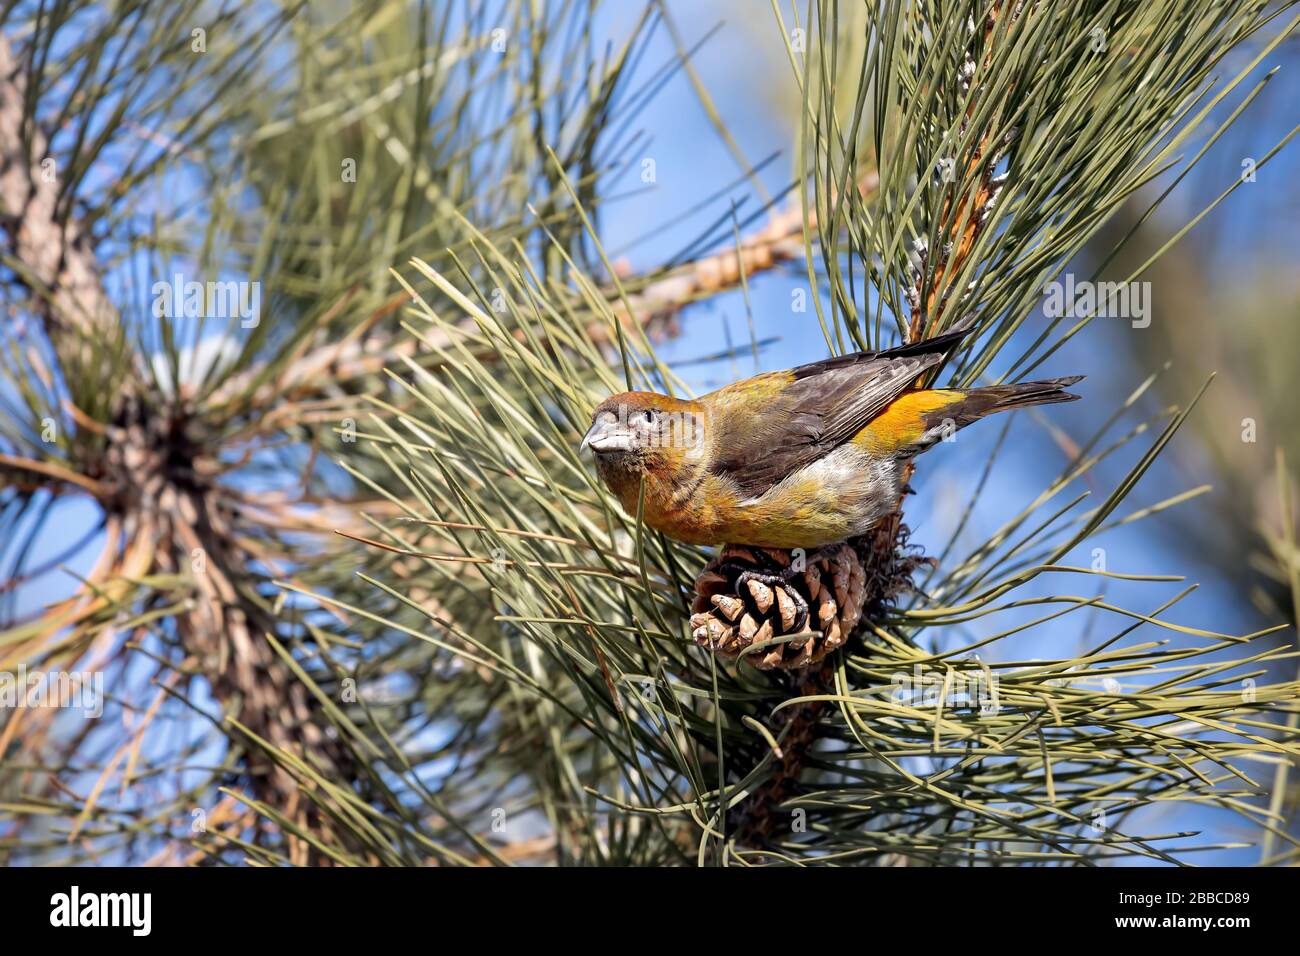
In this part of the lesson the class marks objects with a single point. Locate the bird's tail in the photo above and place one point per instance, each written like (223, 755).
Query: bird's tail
(1000, 398)
(975, 403)
(920, 419)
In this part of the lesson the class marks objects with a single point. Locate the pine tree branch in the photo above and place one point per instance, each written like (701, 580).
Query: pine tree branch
(49, 250)
(777, 243)
(654, 307)
(178, 519)
(53, 252)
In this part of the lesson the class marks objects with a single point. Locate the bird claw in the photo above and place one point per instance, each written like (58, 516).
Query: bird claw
(767, 571)
(779, 579)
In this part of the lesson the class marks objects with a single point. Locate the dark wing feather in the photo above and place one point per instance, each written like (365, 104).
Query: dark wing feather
(770, 426)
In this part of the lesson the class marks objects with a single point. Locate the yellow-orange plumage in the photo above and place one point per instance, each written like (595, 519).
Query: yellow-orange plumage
(904, 420)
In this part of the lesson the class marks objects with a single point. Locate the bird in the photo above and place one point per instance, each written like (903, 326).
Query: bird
(802, 458)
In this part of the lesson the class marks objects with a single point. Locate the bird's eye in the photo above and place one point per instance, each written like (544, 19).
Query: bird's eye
(649, 416)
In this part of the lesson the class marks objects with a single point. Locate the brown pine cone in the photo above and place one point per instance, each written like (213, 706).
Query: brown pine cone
(734, 610)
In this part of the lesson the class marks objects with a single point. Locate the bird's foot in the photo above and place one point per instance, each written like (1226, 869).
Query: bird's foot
(775, 573)
(777, 578)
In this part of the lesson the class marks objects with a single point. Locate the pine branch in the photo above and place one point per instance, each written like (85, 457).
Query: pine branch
(51, 252)
(659, 299)
(165, 519)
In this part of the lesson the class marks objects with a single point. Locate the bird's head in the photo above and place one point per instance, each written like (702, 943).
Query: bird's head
(639, 432)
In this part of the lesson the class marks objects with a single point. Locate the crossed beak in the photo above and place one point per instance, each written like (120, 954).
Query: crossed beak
(607, 434)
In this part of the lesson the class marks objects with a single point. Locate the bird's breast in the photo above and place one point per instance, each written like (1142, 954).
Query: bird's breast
(835, 497)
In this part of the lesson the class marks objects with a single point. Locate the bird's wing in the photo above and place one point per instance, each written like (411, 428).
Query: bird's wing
(771, 425)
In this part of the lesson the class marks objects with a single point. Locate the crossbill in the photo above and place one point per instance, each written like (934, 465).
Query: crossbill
(801, 458)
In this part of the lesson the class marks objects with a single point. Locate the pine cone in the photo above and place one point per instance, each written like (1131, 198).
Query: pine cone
(734, 610)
